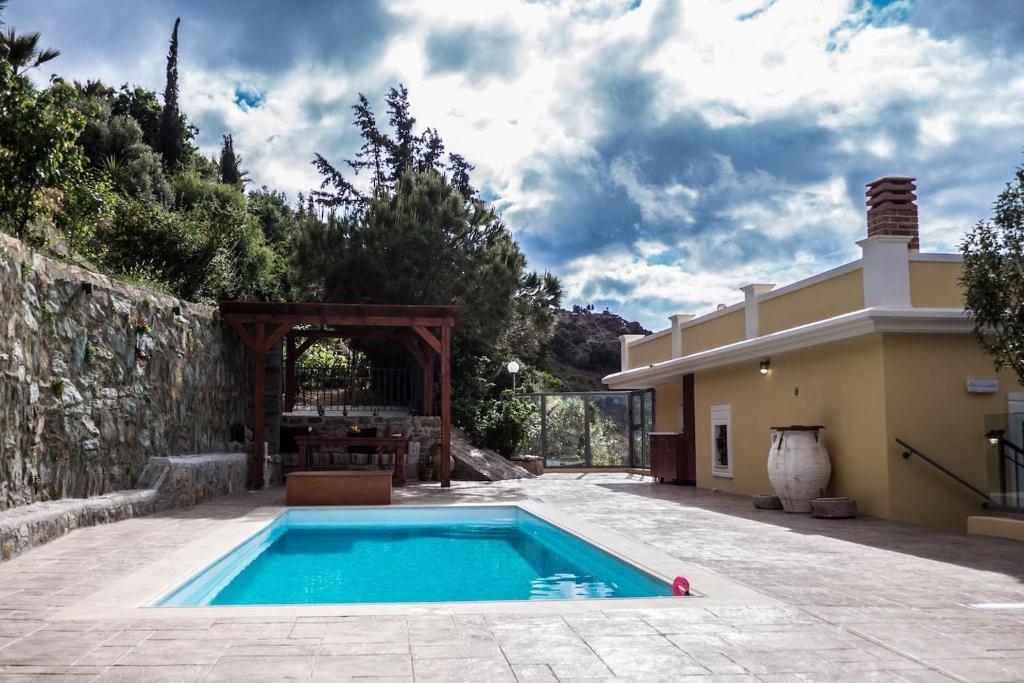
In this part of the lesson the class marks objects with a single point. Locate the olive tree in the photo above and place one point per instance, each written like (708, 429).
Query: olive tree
(993, 278)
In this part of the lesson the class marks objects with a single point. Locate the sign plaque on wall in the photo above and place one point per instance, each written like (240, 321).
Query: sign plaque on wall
(977, 385)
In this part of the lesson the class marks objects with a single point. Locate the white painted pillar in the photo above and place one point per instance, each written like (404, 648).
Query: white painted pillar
(677, 332)
(886, 264)
(624, 341)
(750, 294)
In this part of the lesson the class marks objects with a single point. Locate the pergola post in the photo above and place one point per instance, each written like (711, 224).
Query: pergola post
(446, 406)
(289, 374)
(259, 412)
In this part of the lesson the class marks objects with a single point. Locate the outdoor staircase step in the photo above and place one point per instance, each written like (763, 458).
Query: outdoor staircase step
(1008, 527)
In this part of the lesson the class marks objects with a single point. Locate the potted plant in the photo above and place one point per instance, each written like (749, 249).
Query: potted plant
(426, 468)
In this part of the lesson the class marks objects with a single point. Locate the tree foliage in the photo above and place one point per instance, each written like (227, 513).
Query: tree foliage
(230, 164)
(993, 278)
(80, 177)
(420, 235)
(174, 134)
(503, 424)
(39, 156)
(21, 50)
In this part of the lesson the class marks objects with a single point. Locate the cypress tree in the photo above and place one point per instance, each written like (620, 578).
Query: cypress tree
(172, 125)
(231, 172)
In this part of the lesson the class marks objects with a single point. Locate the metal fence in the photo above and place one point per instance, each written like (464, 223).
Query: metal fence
(371, 389)
(592, 429)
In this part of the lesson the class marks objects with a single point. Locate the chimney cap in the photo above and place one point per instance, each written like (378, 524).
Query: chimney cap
(899, 179)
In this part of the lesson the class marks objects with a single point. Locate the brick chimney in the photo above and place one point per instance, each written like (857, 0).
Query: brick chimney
(891, 209)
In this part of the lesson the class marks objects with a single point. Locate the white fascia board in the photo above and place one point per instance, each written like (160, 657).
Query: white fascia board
(649, 337)
(936, 258)
(887, 320)
(813, 280)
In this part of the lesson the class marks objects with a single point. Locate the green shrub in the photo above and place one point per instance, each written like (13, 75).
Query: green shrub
(503, 424)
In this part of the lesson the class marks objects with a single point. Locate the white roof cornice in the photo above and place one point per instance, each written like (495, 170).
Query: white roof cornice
(879, 320)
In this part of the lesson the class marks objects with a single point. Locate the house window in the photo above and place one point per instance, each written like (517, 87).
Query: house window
(721, 441)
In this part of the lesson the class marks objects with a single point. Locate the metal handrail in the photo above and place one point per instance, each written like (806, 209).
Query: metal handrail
(910, 450)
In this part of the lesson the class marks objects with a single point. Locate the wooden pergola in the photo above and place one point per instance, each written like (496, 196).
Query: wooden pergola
(426, 331)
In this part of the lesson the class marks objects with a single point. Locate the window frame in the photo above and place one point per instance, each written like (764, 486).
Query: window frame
(721, 415)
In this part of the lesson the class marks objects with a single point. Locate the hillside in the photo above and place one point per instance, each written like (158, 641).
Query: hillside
(585, 346)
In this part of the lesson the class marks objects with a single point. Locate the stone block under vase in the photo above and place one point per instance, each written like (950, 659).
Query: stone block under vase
(798, 466)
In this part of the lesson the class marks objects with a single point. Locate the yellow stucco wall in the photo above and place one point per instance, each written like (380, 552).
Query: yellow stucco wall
(840, 386)
(668, 398)
(726, 329)
(934, 284)
(929, 408)
(643, 352)
(826, 299)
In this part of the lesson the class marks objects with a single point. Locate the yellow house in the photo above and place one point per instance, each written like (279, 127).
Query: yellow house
(875, 350)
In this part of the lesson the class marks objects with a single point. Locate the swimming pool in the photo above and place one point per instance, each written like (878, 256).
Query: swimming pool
(424, 554)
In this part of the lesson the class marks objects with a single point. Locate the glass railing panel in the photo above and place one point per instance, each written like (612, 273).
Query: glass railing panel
(564, 431)
(609, 430)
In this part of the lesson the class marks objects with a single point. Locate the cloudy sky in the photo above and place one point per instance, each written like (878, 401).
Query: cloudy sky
(655, 154)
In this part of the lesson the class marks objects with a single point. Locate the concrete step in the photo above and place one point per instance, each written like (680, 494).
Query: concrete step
(997, 526)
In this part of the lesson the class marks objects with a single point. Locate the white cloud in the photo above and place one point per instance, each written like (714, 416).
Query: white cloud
(866, 97)
(670, 202)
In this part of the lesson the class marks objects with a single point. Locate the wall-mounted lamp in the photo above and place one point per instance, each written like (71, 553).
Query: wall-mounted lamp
(764, 366)
(87, 287)
(993, 436)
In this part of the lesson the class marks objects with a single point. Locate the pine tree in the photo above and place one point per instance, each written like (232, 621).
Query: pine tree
(230, 164)
(371, 154)
(173, 133)
(433, 150)
(460, 170)
(403, 150)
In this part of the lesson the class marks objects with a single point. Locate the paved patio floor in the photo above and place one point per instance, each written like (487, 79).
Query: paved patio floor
(865, 600)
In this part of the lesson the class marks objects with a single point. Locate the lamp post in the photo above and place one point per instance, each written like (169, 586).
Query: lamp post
(513, 369)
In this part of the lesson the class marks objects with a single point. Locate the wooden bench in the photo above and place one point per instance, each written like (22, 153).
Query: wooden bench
(339, 487)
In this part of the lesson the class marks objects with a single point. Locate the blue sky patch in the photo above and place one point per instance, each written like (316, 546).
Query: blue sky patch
(249, 98)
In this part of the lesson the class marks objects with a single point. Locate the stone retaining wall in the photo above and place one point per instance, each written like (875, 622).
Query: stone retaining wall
(97, 376)
(166, 483)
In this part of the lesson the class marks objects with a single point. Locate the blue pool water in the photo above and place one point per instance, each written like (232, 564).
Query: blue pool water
(337, 555)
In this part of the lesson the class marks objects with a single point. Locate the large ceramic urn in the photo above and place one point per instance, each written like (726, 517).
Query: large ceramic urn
(798, 466)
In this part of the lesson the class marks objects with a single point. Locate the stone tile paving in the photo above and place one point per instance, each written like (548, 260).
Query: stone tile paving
(866, 600)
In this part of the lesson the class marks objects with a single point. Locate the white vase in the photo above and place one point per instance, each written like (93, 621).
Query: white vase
(798, 466)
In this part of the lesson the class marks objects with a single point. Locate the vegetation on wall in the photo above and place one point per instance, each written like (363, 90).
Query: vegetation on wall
(111, 179)
(993, 278)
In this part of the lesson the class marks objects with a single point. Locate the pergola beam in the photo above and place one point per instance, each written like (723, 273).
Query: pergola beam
(341, 320)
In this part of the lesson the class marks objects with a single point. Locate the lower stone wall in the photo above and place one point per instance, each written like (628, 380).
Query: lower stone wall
(186, 480)
(166, 483)
(97, 376)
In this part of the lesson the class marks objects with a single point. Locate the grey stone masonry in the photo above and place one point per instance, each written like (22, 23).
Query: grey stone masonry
(33, 525)
(166, 483)
(97, 376)
(186, 480)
